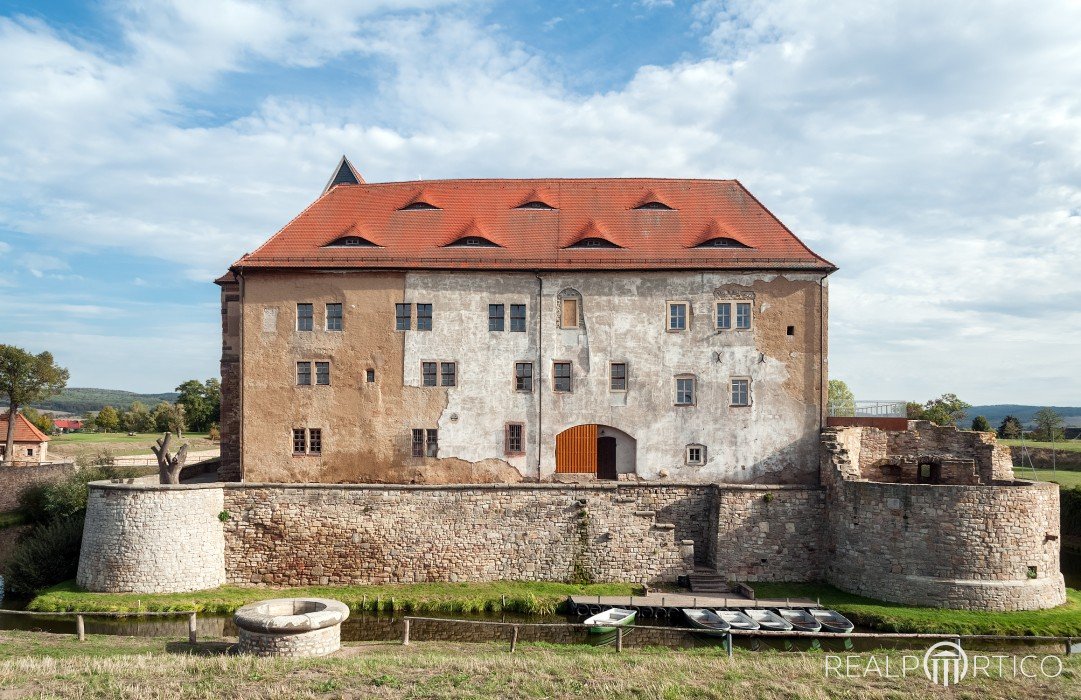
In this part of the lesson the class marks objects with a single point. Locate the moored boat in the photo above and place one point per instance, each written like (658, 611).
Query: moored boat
(608, 620)
(706, 620)
(801, 620)
(736, 619)
(768, 620)
(832, 621)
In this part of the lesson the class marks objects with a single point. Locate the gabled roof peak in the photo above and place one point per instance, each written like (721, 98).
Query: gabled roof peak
(344, 174)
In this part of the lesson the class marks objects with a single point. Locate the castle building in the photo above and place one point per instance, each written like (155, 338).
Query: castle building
(472, 331)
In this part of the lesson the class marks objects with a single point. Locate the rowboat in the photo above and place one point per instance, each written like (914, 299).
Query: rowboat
(801, 620)
(706, 620)
(768, 620)
(608, 620)
(737, 620)
(832, 621)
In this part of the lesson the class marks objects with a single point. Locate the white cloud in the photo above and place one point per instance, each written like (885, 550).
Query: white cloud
(931, 150)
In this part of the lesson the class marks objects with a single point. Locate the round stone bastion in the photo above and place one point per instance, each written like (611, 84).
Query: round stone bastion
(291, 627)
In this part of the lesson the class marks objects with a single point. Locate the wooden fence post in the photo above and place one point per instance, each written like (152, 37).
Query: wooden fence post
(1069, 646)
(514, 639)
(728, 644)
(80, 628)
(192, 627)
(619, 638)
(405, 637)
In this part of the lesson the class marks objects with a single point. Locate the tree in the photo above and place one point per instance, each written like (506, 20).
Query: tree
(1048, 424)
(945, 410)
(1009, 428)
(160, 416)
(42, 421)
(90, 423)
(980, 424)
(841, 400)
(201, 402)
(137, 419)
(26, 379)
(169, 466)
(108, 419)
(169, 418)
(914, 410)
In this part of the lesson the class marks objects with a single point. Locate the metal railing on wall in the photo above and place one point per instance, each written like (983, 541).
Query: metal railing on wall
(868, 409)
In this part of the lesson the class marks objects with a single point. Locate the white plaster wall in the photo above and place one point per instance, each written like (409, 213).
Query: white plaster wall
(624, 314)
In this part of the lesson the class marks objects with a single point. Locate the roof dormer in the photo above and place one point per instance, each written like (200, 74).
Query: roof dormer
(472, 236)
(716, 235)
(592, 235)
(352, 237)
(538, 198)
(651, 200)
(421, 201)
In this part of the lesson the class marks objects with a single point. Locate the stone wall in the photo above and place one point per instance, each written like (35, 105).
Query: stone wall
(15, 480)
(287, 535)
(142, 538)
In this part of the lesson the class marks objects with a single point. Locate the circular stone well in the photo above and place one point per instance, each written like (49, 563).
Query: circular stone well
(291, 627)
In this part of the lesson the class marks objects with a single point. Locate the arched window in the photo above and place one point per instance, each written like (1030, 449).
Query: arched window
(721, 242)
(420, 205)
(654, 205)
(472, 242)
(593, 243)
(351, 242)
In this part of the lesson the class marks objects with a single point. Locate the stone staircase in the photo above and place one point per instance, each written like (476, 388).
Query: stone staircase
(704, 580)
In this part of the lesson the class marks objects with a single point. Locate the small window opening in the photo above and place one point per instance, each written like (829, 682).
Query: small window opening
(791, 330)
(721, 242)
(535, 204)
(593, 243)
(696, 454)
(369, 376)
(654, 205)
(414, 206)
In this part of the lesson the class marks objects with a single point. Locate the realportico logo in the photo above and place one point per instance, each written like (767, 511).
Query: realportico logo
(945, 663)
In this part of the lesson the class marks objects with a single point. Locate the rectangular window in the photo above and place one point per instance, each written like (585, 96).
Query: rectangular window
(304, 374)
(741, 392)
(322, 373)
(743, 316)
(403, 317)
(334, 317)
(315, 441)
(424, 317)
(300, 444)
(418, 442)
(617, 374)
(431, 449)
(684, 391)
(369, 376)
(495, 317)
(428, 370)
(523, 376)
(304, 317)
(696, 454)
(517, 318)
(561, 376)
(724, 316)
(448, 374)
(515, 439)
(677, 316)
(569, 317)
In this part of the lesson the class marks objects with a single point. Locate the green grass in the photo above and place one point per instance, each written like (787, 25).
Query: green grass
(1067, 479)
(11, 519)
(119, 443)
(1063, 621)
(1065, 446)
(54, 666)
(521, 597)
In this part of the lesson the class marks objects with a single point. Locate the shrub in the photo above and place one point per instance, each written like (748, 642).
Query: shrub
(46, 556)
(45, 503)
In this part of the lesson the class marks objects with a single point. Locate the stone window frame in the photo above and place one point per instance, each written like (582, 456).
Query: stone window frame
(500, 320)
(717, 314)
(611, 376)
(339, 318)
(403, 321)
(369, 375)
(424, 365)
(702, 455)
(694, 389)
(307, 365)
(305, 319)
(570, 294)
(319, 364)
(668, 305)
(425, 322)
(443, 365)
(310, 440)
(531, 377)
(732, 392)
(507, 438)
(300, 438)
(750, 316)
(315, 441)
(570, 377)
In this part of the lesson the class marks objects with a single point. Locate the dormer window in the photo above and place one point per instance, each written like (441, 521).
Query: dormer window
(593, 243)
(415, 206)
(535, 204)
(653, 204)
(722, 242)
(473, 242)
(351, 242)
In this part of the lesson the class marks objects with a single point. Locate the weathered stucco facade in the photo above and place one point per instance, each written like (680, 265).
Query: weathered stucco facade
(366, 425)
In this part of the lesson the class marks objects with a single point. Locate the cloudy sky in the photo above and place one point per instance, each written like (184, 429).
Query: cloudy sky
(931, 150)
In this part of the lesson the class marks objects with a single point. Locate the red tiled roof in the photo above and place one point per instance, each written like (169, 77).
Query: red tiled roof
(537, 239)
(25, 431)
(68, 423)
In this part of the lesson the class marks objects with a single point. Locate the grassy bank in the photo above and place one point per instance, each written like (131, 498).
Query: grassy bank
(119, 444)
(114, 667)
(1068, 479)
(1064, 445)
(1063, 621)
(522, 597)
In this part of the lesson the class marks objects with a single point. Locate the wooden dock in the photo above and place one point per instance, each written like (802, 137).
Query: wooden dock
(668, 604)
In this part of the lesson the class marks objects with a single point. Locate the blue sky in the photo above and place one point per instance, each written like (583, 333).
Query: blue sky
(932, 151)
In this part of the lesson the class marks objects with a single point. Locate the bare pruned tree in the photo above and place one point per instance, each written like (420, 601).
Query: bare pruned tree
(169, 466)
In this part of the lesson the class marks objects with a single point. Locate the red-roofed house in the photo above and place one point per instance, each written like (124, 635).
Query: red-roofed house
(68, 425)
(31, 445)
(512, 330)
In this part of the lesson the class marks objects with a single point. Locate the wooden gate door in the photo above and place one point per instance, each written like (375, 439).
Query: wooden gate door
(606, 458)
(576, 450)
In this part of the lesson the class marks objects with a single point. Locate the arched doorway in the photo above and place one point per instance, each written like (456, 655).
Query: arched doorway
(600, 450)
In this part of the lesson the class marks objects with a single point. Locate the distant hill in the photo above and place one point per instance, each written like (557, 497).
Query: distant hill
(80, 400)
(1071, 415)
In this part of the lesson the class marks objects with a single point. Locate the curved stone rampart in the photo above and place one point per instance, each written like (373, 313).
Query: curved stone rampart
(147, 538)
(993, 547)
